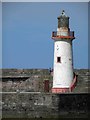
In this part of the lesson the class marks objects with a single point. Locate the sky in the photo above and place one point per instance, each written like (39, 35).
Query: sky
(27, 28)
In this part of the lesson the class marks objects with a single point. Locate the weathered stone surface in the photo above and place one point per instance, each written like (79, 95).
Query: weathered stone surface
(44, 105)
(35, 78)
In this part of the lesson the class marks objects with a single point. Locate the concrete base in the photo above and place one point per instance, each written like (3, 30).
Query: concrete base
(60, 90)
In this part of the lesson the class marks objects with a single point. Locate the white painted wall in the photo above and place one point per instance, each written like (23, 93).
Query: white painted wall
(63, 72)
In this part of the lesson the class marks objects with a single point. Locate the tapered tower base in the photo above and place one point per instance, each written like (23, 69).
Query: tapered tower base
(65, 90)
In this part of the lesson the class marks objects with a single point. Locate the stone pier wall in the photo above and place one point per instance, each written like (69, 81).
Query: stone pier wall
(43, 105)
(33, 80)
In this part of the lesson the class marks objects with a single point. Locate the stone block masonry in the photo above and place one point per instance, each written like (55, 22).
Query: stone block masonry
(42, 105)
(39, 80)
(31, 101)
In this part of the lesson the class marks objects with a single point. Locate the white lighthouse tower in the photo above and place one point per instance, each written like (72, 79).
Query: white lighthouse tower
(63, 61)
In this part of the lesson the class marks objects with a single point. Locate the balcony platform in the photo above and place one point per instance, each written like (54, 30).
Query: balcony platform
(55, 36)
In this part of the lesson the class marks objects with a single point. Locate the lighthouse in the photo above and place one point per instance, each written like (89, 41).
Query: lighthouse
(63, 77)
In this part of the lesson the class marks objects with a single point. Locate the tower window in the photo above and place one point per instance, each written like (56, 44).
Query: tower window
(59, 59)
